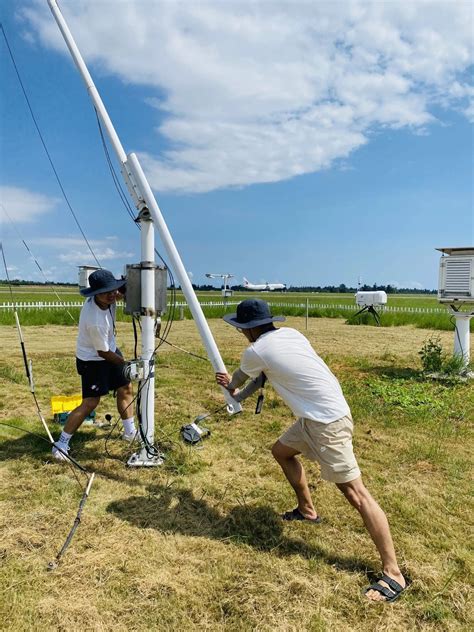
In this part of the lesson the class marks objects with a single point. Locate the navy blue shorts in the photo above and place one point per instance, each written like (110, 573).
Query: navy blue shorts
(99, 377)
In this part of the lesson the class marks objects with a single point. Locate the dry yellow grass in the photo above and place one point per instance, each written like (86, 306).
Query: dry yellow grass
(197, 544)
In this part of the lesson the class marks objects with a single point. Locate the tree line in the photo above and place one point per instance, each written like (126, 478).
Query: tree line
(327, 289)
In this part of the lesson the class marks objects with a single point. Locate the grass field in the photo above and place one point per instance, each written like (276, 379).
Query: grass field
(66, 293)
(295, 305)
(197, 544)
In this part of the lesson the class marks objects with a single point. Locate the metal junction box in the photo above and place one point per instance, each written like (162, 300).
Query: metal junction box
(456, 275)
(133, 296)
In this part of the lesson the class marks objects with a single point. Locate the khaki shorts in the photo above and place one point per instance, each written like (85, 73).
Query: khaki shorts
(328, 444)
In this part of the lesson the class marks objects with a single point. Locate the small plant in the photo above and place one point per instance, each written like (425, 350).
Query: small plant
(431, 354)
(435, 360)
(455, 365)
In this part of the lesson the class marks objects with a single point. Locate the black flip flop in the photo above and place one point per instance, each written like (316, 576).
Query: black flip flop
(390, 594)
(296, 514)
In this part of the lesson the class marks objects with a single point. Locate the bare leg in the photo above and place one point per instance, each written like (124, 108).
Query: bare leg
(125, 401)
(78, 415)
(294, 472)
(376, 524)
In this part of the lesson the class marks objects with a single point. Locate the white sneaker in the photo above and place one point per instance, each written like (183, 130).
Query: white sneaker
(58, 454)
(130, 436)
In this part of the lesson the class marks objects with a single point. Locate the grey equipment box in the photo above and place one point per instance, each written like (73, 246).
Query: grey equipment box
(133, 296)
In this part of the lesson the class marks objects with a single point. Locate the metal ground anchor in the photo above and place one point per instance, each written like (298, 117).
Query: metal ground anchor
(144, 459)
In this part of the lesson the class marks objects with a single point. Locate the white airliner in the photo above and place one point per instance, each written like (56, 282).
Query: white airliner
(263, 287)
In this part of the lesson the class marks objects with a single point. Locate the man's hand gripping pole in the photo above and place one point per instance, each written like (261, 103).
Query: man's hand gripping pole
(233, 406)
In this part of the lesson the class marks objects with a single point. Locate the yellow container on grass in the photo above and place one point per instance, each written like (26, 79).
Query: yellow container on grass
(61, 406)
(64, 403)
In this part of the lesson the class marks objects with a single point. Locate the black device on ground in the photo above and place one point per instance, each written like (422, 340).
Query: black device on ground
(193, 433)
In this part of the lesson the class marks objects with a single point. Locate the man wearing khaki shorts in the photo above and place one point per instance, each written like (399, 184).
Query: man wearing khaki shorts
(322, 431)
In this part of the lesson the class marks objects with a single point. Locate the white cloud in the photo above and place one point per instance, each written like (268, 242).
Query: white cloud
(83, 256)
(23, 206)
(263, 91)
(74, 251)
(415, 285)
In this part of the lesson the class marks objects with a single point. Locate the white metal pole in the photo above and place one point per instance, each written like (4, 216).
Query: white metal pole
(147, 318)
(147, 247)
(146, 193)
(462, 335)
(188, 291)
(92, 90)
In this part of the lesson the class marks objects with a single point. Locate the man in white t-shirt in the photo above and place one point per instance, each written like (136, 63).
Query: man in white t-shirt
(98, 360)
(322, 431)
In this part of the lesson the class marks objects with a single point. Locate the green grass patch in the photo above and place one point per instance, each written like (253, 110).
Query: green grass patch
(295, 306)
(197, 544)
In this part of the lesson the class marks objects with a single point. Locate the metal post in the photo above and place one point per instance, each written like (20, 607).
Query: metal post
(91, 89)
(141, 193)
(307, 311)
(462, 334)
(148, 455)
(188, 291)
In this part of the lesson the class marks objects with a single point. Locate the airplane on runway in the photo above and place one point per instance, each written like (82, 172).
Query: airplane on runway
(263, 287)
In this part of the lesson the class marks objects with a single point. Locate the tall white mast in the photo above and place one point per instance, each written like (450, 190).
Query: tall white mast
(150, 216)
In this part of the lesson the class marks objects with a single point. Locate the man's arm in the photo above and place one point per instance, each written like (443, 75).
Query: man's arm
(238, 379)
(99, 339)
(111, 356)
(250, 389)
(231, 383)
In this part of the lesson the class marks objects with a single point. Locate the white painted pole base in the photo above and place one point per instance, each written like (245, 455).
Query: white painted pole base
(462, 334)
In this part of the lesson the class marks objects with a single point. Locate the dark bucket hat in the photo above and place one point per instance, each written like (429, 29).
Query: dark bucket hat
(102, 281)
(252, 313)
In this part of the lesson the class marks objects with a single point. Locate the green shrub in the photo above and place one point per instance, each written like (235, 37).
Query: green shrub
(435, 360)
(431, 354)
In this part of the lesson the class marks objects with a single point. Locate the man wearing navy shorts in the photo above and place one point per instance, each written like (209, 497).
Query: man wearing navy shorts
(98, 360)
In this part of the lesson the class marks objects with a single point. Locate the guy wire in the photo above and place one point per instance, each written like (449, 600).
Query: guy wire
(36, 261)
(194, 355)
(45, 147)
(69, 460)
(128, 207)
(29, 377)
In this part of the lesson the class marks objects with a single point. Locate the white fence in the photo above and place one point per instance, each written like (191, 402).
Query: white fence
(40, 305)
(303, 305)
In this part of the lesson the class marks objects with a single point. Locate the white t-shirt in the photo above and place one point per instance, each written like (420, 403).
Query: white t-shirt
(297, 374)
(96, 331)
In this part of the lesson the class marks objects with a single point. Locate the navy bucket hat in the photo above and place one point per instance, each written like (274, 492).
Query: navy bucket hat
(102, 281)
(252, 313)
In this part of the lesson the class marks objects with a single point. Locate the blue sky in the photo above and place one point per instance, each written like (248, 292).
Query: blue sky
(306, 143)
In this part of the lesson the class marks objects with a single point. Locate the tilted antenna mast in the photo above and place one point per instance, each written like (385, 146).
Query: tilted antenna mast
(149, 215)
